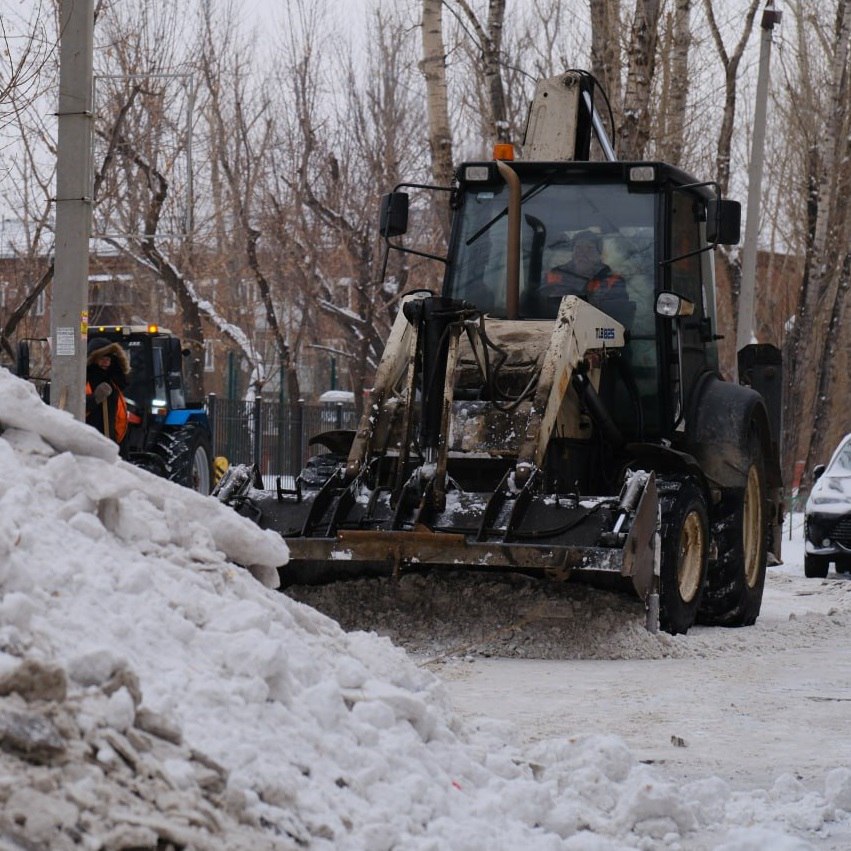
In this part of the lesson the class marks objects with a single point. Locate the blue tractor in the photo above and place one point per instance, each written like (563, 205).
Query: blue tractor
(166, 434)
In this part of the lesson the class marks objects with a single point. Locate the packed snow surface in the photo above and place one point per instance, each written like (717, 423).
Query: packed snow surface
(156, 694)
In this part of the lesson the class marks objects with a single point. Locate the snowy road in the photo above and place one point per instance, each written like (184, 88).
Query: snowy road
(749, 705)
(763, 708)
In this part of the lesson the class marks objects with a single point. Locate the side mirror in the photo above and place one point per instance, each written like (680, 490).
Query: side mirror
(394, 214)
(723, 222)
(817, 471)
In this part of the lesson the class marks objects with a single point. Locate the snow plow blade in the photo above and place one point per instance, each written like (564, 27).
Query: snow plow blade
(346, 531)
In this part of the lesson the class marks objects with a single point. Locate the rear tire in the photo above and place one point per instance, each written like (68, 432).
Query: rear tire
(685, 548)
(740, 529)
(816, 567)
(187, 455)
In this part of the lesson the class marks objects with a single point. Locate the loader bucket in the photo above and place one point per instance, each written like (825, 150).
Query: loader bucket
(347, 530)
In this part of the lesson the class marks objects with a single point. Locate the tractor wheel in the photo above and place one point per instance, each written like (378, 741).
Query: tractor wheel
(816, 567)
(740, 529)
(187, 457)
(685, 549)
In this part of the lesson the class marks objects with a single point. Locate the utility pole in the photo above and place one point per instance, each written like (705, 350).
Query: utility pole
(70, 301)
(745, 326)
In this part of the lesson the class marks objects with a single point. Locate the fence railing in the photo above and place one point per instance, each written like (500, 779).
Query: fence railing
(271, 434)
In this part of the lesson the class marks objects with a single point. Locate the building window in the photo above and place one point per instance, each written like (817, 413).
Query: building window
(209, 356)
(38, 308)
(4, 285)
(169, 301)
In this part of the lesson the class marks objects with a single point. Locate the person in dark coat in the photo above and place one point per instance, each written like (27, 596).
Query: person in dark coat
(107, 368)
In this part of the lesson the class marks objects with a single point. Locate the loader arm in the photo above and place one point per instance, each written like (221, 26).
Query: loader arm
(580, 330)
(396, 359)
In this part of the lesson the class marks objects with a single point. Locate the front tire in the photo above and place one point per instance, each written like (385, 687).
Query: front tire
(684, 556)
(740, 528)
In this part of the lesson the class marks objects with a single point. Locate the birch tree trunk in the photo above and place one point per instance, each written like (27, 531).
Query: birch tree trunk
(489, 45)
(675, 86)
(433, 67)
(634, 129)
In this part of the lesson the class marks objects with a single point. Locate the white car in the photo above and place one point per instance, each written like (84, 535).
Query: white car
(827, 516)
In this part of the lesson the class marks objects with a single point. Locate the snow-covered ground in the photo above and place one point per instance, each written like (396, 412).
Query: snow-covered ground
(154, 694)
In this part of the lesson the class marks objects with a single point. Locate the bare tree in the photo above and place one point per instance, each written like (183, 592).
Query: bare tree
(30, 63)
(819, 354)
(26, 51)
(730, 61)
(330, 166)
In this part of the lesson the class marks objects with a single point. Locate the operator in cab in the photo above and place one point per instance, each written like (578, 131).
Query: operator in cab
(589, 278)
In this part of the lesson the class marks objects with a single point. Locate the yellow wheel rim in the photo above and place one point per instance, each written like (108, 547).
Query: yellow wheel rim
(752, 525)
(691, 557)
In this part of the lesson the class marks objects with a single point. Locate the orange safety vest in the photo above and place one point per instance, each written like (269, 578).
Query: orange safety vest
(592, 285)
(120, 412)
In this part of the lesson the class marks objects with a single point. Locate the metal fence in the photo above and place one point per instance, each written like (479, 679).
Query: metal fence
(271, 434)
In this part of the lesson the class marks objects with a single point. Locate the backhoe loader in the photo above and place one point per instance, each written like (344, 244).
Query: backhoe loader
(540, 419)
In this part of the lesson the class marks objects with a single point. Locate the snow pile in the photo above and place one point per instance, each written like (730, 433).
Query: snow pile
(152, 692)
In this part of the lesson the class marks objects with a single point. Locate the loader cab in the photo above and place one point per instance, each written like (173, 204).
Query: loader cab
(653, 226)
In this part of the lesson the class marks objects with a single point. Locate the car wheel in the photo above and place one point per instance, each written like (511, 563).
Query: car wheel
(815, 567)
(843, 564)
(736, 577)
(685, 547)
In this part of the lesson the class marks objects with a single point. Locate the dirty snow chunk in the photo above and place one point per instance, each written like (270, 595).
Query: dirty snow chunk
(759, 839)
(88, 525)
(30, 735)
(259, 662)
(351, 673)
(707, 797)
(27, 443)
(325, 704)
(120, 710)
(241, 616)
(646, 799)
(33, 680)
(94, 667)
(43, 815)
(18, 609)
(180, 772)
(837, 788)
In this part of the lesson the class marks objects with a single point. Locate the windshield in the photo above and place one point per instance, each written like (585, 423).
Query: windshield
(575, 239)
(841, 463)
